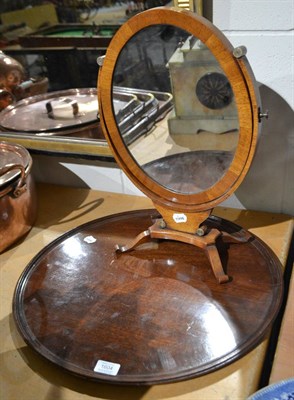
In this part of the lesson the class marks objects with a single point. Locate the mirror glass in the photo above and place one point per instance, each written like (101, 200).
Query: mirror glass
(48, 73)
(175, 109)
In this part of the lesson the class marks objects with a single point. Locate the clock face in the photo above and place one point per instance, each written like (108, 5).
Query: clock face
(214, 91)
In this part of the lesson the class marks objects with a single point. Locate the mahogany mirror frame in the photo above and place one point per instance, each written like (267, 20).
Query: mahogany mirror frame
(242, 81)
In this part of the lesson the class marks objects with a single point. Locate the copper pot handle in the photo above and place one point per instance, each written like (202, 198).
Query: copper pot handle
(21, 186)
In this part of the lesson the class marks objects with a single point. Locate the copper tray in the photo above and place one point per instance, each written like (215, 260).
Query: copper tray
(152, 315)
(137, 112)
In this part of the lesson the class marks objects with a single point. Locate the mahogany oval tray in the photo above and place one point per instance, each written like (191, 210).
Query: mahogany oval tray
(152, 315)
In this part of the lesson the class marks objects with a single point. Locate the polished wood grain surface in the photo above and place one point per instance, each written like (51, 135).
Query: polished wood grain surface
(157, 311)
(24, 374)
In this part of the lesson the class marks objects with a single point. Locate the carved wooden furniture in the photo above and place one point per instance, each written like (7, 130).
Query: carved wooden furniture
(183, 211)
(161, 295)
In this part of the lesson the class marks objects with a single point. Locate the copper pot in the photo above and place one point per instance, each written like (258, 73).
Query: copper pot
(11, 72)
(12, 82)
(17, 194)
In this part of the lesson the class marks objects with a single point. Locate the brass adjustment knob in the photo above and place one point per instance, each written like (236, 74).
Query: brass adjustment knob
(262, 115)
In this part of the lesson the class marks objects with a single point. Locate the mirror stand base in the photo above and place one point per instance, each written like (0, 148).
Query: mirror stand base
(207, 242)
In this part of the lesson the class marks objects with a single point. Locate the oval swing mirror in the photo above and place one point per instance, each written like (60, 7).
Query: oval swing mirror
(187, 144)
(179, 109)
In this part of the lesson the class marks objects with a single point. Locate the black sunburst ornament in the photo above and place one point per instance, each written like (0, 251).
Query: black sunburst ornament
(214, 91)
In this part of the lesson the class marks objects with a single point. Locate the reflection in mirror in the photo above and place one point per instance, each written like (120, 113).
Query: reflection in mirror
(70, 112)
(48, 73)
(175, 109)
